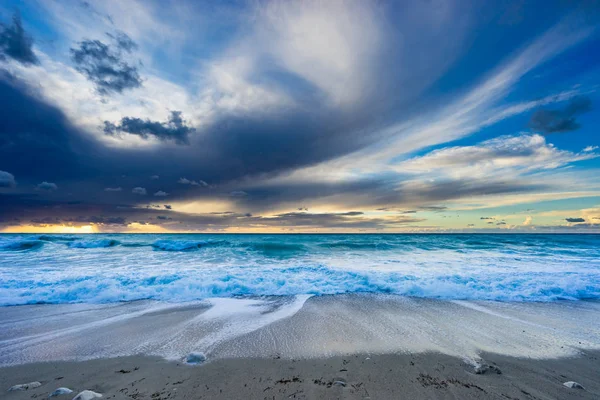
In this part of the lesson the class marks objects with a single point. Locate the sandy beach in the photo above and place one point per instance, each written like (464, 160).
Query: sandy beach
(343, 346)
(359, 376)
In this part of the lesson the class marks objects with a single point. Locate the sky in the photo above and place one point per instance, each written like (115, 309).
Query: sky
(299, 116)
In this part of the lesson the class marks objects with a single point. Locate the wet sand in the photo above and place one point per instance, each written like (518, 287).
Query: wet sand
(343, 346)
(359, 376)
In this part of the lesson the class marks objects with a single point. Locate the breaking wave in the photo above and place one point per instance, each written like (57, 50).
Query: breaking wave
(94, 244)
(185, 245)
(177, 268)
(22, 245)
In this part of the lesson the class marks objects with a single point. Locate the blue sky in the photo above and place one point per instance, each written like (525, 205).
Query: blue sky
(337, 116)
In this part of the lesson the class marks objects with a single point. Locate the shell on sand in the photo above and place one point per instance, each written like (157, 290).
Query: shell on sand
(87, 395)
(25, 386)
(59, 391)
(195, 358)
(573, 385)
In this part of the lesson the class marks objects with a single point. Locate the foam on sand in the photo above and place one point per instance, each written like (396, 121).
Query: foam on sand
(298, 327)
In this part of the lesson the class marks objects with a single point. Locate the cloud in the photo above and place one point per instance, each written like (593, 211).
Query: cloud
(185, 181)
(560, 120)
(98, 220)
(174, 129)
(105, 67)
(500, 157)
(238, 193)
(160, 193)
(155, 177)
(486, 218)
(123, 41)
(590, 148)
(168, 206)
(528, 221)
(7, 180)
(574, 219)
(47, 186)
(111, 189)
(15, 43)
(139, 190)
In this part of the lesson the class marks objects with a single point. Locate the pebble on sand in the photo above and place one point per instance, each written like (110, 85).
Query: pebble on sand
(573, 385)
(87, 395)
(25, 386)
(195, 358)
(60, 391)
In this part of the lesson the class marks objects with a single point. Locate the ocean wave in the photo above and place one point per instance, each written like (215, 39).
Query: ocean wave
(185, 245)
(57, 238)
(357, 245)
(21, 245)
(190, 267)
(276, 248)
(94, 244)
(316, 280)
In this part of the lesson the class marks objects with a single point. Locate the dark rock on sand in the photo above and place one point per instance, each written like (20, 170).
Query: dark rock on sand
(485, 368)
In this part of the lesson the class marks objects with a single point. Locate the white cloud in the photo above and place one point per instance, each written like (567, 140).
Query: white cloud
(47, 186)
(502, 157)
(139, 190)
(590, 148)
(7, 179)
(116, 189)
(185, 181)
(329, 44)
(160, 193)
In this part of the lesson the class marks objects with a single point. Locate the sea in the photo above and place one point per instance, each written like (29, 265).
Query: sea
(110, 268)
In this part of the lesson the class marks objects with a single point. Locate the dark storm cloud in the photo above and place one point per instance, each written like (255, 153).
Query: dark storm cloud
(37, 142)
(105, 66)
(486, 218)
(15, 43)
(575, 219)
(29, 209)
(174, 129)
(229, 154)
(93, 219)
(560, 120)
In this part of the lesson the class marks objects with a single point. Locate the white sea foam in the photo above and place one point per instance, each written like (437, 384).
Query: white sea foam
(114, 268)
(298, 327)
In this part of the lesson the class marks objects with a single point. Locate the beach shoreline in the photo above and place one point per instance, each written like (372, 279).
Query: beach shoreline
(354, 376)
(354, 346)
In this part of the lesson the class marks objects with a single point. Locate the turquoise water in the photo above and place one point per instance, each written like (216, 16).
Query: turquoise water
(103, 268)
